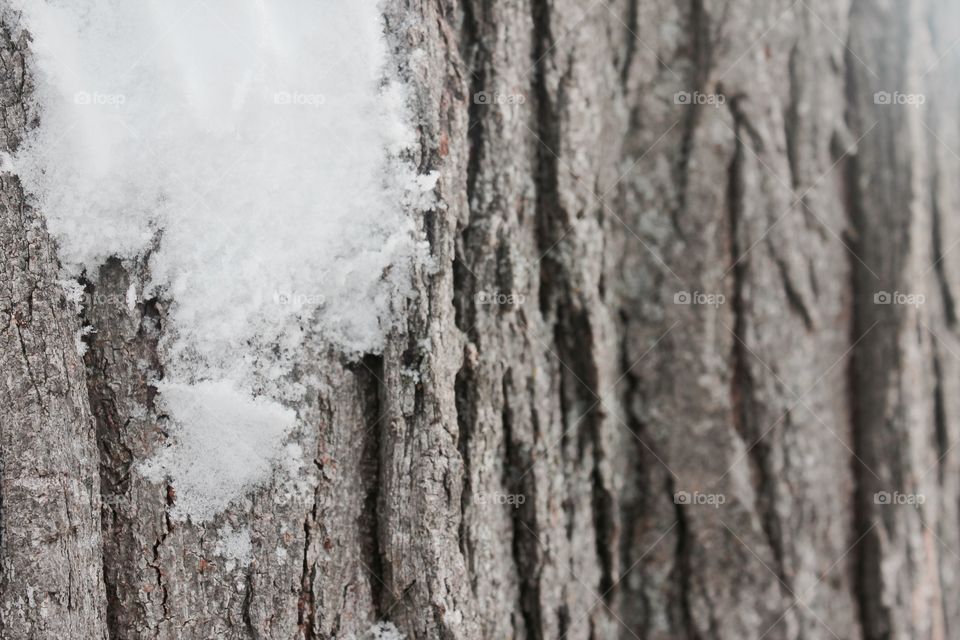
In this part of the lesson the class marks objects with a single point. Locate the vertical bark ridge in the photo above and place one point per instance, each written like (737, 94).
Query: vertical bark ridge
(51, 581)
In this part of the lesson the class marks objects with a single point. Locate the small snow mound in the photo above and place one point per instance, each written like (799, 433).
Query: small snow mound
(224, 443)
(260, 154)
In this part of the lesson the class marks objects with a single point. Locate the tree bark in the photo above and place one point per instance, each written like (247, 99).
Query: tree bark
(51, 582)
(646, 390)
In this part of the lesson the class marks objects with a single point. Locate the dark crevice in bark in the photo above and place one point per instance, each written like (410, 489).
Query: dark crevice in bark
(941, 431)
(791, 119)
(466, 421)
(370, 524)
(701, 56)
(606, 525)
(868, 579)
(546, 125)
(248, 625)
(631, 42)
(874, 615)
(682, 564)
(563, 620)
(461, 298)
(794, 298)
(741, 379)
(475, 56)
(583, 416)
(158, 545)
(575, 344)
(520, 480)
(111, 355)
(635, 605)
(949, 307)
(306, 605)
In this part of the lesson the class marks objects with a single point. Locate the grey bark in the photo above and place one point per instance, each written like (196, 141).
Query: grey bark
(546, 358)
(51, 582)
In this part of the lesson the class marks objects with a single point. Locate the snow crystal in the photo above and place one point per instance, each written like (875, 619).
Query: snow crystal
(74, 293)
(78, 342)
(131, 297)
(255, 150)
(224, 443)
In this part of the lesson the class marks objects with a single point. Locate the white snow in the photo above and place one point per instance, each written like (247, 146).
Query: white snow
(225, 441)
(249, 138)
(255, 149)
(131, 297)
(74, 293)
(78, 342)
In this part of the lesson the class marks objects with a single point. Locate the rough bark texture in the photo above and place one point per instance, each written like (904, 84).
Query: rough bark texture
(538, 452)
(51, 584)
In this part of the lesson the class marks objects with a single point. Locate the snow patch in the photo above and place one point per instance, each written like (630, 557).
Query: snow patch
(78, 342)
(131, 297)
(256, 151)
(224, 443)
(255, 143)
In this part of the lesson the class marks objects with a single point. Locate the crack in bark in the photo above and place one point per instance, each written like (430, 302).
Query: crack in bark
(946, 294)
(941, 430)
(630, 29)
(466, 423)
(701, 55)
(868, 579)
(375, 407)
(305, 603)
(791, 118)
(524, 546)
(682, 564)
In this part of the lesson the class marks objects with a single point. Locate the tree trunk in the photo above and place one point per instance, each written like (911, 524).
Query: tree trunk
(651, 387)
